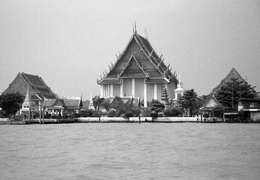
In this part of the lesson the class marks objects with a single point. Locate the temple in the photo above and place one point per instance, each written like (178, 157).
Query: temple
(138, 73)
(40, 99)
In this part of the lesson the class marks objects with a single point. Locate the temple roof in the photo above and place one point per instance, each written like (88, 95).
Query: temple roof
(211, 101)
(232, 74)
(38, 85)
(38, 88)
(73, 103)
(138, 60)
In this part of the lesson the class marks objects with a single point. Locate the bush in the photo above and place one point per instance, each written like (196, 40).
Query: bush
(87, 113)
(96, 114)
(128, 114)
(154, 115)
(205, 115)
(172, 111)
(146, 112)
(156, 106)
(112, 113)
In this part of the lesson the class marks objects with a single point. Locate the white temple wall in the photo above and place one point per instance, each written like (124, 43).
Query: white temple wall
(127, 89)
(116, 90)
(139, 88)
(150, 92)
(159, 91)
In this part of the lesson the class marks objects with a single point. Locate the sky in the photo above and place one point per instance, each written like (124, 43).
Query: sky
(71, 43)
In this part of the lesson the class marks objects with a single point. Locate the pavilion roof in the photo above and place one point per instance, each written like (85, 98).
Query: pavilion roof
(212, 102)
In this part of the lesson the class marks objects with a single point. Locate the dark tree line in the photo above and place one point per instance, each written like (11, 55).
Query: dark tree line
(232, 91)
(11, 103)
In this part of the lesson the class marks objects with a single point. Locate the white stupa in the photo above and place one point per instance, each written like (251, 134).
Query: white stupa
(179, 89)
(27, 101)
(91, 106)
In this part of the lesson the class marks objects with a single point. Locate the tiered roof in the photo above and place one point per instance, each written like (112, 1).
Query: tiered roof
(138, 60)
(38, 88)
(67, 103)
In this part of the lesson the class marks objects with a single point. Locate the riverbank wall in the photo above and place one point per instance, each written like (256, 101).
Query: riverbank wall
(103, 120)
(136, 119)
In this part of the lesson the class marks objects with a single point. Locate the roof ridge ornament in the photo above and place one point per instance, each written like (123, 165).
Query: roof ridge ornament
(159, 64)
(150, 54)
(146, 34)
(134, 28)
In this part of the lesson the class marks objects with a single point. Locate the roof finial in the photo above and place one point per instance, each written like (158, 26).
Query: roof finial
(146, 34)
(134, 29)
(180, 84)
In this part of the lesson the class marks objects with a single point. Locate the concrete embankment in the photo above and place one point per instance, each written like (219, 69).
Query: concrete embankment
(135, 119)
(103, 120)
(6, 121)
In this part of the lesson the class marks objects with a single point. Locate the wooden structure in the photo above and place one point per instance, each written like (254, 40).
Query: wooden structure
(138, 72)
(251, 108)
(212, 107)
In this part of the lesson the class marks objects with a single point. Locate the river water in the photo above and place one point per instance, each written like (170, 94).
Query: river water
(130, 151)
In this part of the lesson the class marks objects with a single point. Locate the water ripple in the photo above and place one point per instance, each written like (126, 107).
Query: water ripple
(130, 151)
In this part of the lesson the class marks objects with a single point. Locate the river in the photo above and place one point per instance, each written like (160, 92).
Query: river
(130, 151)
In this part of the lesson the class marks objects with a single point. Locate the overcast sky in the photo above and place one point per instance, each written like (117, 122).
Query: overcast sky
(70, 43)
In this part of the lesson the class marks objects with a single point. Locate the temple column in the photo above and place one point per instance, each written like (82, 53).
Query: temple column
(102, 91)
(133, 87)
(111, 90)
(122, 88)
(145, 94)
(155, 91)
(107, 91)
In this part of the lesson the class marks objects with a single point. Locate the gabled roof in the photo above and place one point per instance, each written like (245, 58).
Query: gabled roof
(232, 74)
(59, 103)
(35, 83)
(250, 99)
(212, 102)
(139, 51)
(73, 103)
(49, 103)
(138, 69)
(38, 85)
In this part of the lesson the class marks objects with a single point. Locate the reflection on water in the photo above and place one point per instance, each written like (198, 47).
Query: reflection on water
(130, 151)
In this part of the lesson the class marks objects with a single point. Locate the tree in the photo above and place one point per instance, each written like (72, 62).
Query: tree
(156, 106)
(172, 111)
(232, 91)
(200, 102)
(11, 103)
(126, 109)
(188, 101)
(165, 96)
(97, 101)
